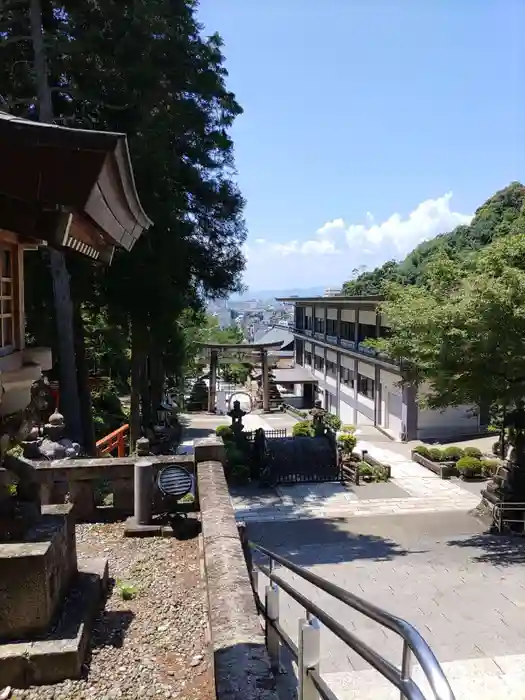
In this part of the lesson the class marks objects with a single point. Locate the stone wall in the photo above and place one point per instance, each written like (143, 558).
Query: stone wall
(242, 666)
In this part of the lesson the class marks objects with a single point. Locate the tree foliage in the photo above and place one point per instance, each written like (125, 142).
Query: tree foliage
(144, 68)
(496, 218)
(459, 335)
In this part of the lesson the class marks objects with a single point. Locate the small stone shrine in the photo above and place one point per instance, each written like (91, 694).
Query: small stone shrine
(236, 415)
(47, 598)
(318, 413)
(51, 444)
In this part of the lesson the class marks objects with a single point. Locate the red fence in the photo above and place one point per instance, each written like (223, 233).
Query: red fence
(114, 441)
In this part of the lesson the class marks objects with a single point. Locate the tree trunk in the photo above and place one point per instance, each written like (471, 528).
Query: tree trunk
(86, 407)
(137, 366)
(156, 377)
(69, 399)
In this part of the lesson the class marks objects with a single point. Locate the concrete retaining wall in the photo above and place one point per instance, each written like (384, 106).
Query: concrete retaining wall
(242, 666)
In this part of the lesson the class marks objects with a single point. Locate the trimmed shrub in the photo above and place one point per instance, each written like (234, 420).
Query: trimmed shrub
(469, 466)
(490, 466)
(224, 431)
(452, 453)
(347, 443)
(332, 421)
(422, 450)
(348, 429)
(303, 429)
(436, 454)
(472, 452)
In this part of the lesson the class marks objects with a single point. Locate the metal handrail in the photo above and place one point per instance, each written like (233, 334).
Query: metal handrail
(500, 506)
(413, 641)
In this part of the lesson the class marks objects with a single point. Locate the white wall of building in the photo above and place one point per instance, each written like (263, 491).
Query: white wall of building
(450, 423)
(348, 315)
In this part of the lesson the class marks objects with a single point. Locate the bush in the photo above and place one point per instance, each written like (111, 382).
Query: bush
(332, 421)
(490, 466)
(469, 466)
(303, 429)
(224, 431)
(422, 450)
(436, 454)
(347, 443)
(234, 455)
(472, 452)
(452, 453)
(348, 429)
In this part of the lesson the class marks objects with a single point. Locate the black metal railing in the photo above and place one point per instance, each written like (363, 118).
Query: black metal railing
(307, 652)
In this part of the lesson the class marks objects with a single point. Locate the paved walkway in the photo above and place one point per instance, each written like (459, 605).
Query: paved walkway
(462, 589)
(413, 489)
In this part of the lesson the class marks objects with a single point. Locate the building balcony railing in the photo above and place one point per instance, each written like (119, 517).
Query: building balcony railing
(365, 350)
(319, 336)
(332, 339)
(347, 344)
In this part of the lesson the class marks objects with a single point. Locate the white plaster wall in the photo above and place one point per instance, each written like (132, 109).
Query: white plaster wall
(330, 381)
(308, 346)
(368, 317)
(348, 315)
(450, 423)
(366, 370)
(319, 351)
(331, 314)
(320, 312)
(331, 356)
(346, 410)
(347, 362)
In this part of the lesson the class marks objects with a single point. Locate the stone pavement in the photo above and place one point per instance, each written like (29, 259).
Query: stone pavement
(412, 489)
(462, 589)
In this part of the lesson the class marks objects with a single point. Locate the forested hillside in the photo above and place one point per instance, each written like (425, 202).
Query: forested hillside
(500, 215)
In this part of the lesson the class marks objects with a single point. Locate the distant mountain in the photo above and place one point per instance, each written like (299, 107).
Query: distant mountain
(276, 293)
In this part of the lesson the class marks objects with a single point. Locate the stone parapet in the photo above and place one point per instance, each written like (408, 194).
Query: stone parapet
(242, 666)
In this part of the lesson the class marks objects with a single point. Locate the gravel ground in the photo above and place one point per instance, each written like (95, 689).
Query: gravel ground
(154, 645)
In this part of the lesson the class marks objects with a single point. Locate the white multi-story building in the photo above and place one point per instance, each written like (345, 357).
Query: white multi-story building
(357, 383)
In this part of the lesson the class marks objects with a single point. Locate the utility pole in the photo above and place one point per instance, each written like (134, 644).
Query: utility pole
(69, 395)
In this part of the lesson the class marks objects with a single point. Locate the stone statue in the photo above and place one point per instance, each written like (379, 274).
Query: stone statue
(237, 414)
(318, 413)
(53, 445)
(515, 421)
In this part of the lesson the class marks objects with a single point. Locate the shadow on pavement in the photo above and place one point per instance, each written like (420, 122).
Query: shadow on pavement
(499, 550)
(322, 541)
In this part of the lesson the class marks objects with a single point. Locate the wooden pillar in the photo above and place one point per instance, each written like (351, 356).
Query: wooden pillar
(265, 381)
(214, 361)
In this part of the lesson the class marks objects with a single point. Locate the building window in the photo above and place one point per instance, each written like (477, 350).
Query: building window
(331, 327)
(347, 377)
(365, 386)
(307, 358)
(366, 330)
(319, 363)
(308, 323)
(7, 312)
(347, 330)
(319, 325)
(331, 369)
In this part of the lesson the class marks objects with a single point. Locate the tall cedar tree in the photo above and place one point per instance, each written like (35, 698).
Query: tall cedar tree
(143, 68)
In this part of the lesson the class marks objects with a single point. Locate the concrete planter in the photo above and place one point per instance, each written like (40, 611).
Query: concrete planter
(443, 469)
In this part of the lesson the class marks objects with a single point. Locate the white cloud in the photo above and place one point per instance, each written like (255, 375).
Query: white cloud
(338, 247)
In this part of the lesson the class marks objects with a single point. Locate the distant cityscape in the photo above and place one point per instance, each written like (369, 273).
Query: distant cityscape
(258, 314)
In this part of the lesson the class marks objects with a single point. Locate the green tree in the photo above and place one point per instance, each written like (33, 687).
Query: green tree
(496, 218)
(460, 334)
(144, 68)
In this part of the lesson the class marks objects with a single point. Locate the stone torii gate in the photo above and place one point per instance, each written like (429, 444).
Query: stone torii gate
(215, 353)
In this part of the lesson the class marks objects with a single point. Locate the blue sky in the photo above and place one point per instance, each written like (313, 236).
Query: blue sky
(368, 125)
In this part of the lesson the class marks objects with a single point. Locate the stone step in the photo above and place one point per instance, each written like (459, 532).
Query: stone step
(59, 655)
(499, 678)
